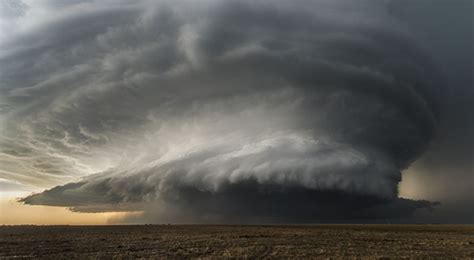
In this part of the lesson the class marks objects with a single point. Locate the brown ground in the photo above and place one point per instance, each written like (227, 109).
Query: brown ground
(159, 241)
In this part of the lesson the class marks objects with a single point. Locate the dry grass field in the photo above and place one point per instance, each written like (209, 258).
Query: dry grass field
(194, 241)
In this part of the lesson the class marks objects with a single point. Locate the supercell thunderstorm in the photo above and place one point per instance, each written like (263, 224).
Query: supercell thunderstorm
(217, 110)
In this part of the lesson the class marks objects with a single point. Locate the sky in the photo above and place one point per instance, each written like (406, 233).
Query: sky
(236, 111)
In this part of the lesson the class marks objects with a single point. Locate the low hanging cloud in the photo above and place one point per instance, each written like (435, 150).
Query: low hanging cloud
(217, 110)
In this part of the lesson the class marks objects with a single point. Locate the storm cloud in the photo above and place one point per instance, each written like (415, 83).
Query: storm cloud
(217, 110)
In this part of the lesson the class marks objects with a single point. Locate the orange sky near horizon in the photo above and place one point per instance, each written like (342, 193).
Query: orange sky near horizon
(13, 212)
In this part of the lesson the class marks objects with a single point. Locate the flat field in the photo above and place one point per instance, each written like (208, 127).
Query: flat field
(199, 241)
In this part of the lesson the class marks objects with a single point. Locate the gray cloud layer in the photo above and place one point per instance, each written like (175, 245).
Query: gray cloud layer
(446, 170)
(261, 110)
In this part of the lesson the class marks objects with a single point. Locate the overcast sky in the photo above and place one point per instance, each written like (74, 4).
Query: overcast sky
(240, 111)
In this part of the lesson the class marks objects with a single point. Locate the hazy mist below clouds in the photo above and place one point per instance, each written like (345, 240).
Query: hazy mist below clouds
(222, 111)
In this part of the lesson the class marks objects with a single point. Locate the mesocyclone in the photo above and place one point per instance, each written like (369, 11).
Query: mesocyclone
(229, 108)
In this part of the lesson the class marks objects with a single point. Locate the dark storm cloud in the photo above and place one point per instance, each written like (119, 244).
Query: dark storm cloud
(447, 168)
(269, 110)
(244, 202)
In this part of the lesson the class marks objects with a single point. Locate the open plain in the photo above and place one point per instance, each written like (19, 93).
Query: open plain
(214, 241)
